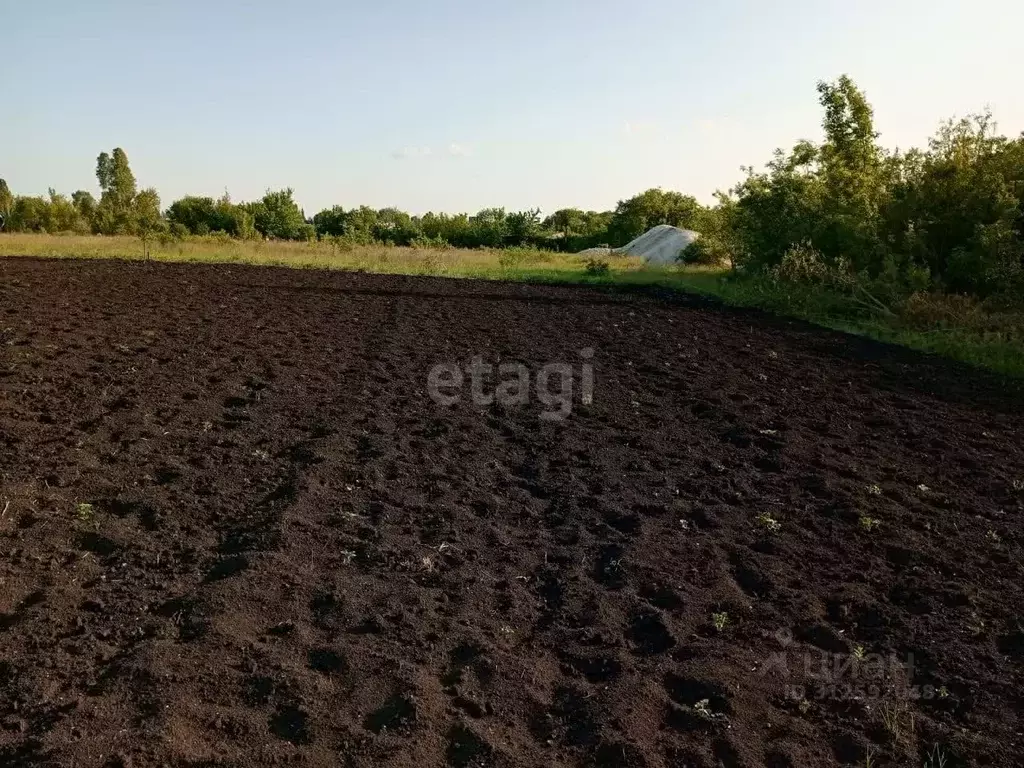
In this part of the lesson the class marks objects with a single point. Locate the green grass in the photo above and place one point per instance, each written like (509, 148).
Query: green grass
(990, 338)
(972, 333)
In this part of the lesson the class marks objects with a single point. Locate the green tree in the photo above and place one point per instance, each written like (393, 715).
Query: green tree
(330, 222)
(960, 207)
(197, 214)
(117, 182)
(61, 215)
(394, 226)
(234, 219)
(851, 164)
(638, 214)
(29, 214)
(566, 221)
(522, 227)
(454, 230)
(488, 228)
(779, 209)
(360, 224)
(146, 218)
(6, 200)
(277, 215)
(85, 204)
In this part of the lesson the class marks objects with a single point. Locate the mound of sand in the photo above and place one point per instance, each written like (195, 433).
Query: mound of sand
(659, 245)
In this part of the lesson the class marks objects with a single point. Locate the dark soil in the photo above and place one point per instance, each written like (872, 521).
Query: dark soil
(290, 555)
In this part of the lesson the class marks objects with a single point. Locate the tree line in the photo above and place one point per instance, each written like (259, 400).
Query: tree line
(844, 212)
(123, 210)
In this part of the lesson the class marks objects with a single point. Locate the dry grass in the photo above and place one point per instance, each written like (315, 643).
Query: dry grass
(898, 720)
(453, 262)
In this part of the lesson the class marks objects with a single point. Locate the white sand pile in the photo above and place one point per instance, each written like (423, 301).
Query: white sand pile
(660, 245)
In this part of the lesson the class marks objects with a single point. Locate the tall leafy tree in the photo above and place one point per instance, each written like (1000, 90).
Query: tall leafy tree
(330, 221)
(523, 227)
(277, 215)
(116, 180)
(851, 172)
(489, 227)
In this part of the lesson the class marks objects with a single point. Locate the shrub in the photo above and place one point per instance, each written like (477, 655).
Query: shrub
(437, 243)
(597, 267)
(802, 264)
(175, 233)
(707, 250)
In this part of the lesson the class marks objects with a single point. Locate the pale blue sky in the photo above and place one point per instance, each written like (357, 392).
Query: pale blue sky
(454, 105)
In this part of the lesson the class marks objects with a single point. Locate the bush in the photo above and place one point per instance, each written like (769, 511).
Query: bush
(707, 250)
(173, 234)
(803, 265)
(437, 243)
(597, 267)
(521, 256)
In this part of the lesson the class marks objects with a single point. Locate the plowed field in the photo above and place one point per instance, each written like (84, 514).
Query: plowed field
(237, 530)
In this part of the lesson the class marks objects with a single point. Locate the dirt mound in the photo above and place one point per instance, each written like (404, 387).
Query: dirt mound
(236, 531)
(659, 245)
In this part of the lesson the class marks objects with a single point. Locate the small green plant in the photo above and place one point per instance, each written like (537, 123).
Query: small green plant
(85, 513)
(868, 523)
(994, 537)
(597, 268)
(1018, 485)
(859, 653)
(719, 620)
(875, 489)
(703, 710)
(768, 522)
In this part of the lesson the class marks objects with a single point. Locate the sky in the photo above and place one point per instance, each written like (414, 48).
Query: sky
(452, 105)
